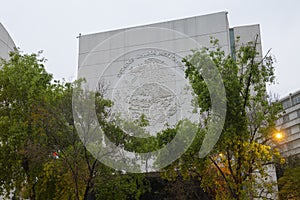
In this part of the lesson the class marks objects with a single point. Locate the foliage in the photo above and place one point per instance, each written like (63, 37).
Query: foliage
(23, 86)
(41, 155)
(243, 153)
(288, 175)
(289, 184)
(122, 186)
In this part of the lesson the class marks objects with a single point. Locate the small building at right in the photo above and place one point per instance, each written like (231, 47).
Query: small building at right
(289, 125)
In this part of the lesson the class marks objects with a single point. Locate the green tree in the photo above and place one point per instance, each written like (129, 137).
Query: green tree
(41, 154)
(118, 185)
(289, 184)
(288, 175)
(102, 180)
(23, 87)
(68, 172)
(76, 174)
(237, 167)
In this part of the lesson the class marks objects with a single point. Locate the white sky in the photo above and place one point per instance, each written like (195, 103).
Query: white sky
(52, 26)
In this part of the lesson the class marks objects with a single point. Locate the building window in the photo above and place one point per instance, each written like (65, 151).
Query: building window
(296, 99)
(290, 145)
(286, 104)
(288, 131)
(295, 129)
(286, 118)
(298, 113)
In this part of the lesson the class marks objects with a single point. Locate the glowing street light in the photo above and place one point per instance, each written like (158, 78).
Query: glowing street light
(278, 135)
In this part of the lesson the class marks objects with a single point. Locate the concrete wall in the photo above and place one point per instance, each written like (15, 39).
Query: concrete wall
(144, 62)
(141, 66)
(6, 43)
(97, 51)
(249, 33)
(199, 28)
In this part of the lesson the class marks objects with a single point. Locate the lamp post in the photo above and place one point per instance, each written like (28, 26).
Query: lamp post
(277, 138)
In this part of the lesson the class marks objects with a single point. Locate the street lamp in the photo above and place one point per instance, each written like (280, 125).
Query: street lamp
(278, 135)
(275, 138)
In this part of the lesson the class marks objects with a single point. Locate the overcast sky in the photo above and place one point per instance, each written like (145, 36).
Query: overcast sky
(52, 26)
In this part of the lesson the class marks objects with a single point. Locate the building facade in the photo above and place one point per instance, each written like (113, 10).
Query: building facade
(142, 67)
(289, 125)
(97, 51)
(6, 43)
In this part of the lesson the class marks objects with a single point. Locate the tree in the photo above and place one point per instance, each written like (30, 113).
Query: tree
(23, 87)
(237, 167)
(41, 154)
(122, 186)
(102, 180)
(288, 175)
(289, 184)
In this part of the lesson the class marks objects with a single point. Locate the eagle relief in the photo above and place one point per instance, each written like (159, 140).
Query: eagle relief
(150, 83)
